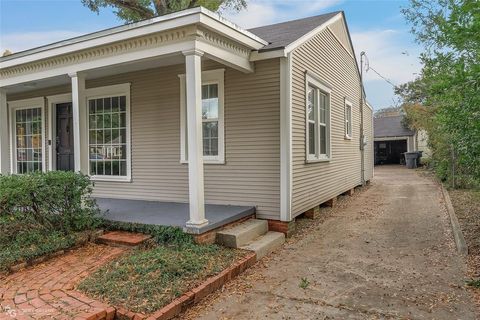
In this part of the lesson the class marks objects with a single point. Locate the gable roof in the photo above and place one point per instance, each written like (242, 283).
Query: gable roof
(280, 35)
(390, 127)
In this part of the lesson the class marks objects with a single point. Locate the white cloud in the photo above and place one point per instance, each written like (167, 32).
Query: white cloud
(393, 55)
(388, 53)
(16, 42)
(264, 12)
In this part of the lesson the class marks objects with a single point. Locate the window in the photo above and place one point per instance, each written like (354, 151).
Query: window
(318, 120)
(109, 134)
(27, 136)
(212, 117)
(348, 119)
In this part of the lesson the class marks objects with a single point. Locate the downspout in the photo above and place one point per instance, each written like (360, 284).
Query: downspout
(362, 136)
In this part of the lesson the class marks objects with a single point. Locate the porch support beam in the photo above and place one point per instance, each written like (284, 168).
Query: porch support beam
(78, 106)
(4, 151)
(193, 81)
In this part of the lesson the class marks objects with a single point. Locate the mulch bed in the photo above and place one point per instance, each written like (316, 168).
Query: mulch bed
(467, 208)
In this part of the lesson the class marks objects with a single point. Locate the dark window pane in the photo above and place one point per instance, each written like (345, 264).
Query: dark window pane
(108, 168)
(107, 104)
(93, 168)
(323, 140)
(115, 106)
(311, 138)
(91, 106)
(123, 103)
(99, 103)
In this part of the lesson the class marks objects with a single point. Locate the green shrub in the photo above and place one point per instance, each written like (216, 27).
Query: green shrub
(53, 200)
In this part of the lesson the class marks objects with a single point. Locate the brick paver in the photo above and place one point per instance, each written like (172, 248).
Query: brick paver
(47, 290)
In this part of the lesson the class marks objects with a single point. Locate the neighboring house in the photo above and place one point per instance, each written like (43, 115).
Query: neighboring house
(393, 139)
(188, 108)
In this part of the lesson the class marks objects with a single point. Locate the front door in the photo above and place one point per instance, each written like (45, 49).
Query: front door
(64, 137)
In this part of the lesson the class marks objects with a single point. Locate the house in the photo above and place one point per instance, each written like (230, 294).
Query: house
(393, 139)
(189, 119)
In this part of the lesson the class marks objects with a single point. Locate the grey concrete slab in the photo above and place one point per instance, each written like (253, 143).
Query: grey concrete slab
(169, 213)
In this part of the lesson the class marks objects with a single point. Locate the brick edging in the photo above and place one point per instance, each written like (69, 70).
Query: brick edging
(81, 241)
(212, 284)
(457, 231)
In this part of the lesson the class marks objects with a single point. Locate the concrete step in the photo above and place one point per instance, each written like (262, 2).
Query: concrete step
(265, 244)
(243, 233)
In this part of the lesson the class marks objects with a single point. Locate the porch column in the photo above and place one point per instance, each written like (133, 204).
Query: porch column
(4, 151)
(193, 81)
(78, 90)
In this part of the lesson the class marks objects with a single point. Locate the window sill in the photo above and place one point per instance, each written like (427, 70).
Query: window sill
(317, 160)
(207, 162)
(347, 137)
(110, 179)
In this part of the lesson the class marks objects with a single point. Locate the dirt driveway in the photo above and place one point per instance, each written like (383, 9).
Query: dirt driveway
(386, 253)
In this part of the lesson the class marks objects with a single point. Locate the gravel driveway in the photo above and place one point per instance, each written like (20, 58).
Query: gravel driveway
(385, 253)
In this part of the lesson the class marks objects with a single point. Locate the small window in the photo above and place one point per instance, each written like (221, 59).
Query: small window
(212, 117)
(348, 119)
(108, 139)
(318, 120)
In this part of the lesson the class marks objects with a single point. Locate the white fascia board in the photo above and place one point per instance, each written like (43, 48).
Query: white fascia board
(225, 57)
(215, 22)
(292, 46)
(103, 62)
(256, 56)
(142, 28)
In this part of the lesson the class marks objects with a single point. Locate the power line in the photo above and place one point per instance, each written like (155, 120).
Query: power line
(368, 67)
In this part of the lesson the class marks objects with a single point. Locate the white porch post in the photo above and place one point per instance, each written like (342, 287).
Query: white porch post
(4, 151)
(193, 81)
(78, 94)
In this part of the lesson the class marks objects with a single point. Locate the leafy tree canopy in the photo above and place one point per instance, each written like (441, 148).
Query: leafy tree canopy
(136, 10)
(445, 100)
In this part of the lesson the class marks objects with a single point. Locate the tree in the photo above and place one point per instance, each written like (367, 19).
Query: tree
(136, 10)
(448, 90)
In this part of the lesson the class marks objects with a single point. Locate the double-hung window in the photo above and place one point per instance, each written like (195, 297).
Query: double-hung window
(212, 117)
(109, 132)
(348, 119)
(318, 119)
(28, 149)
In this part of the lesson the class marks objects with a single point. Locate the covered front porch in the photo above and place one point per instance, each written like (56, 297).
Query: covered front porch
(173, 214)
(114, 152)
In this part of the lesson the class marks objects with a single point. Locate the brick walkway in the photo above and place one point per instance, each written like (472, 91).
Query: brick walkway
(47, 291)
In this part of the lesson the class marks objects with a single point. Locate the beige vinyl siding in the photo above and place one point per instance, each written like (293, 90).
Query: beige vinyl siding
(369, 151)
(314, 183)
(251, 174)
(339, 30)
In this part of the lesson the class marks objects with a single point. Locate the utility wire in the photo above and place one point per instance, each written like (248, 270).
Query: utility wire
(368, 67)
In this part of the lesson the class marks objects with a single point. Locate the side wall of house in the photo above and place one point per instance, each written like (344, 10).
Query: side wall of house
(251, 174)
(314, 183)
(369, 148)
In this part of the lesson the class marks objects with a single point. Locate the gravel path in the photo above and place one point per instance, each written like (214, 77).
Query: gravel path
(386, 253)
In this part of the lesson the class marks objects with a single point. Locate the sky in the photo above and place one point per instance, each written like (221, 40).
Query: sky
(376, 27)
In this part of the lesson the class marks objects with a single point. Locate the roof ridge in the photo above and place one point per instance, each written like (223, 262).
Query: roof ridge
(333, 13)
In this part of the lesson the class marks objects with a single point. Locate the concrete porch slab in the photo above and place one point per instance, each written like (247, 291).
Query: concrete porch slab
(169, 213)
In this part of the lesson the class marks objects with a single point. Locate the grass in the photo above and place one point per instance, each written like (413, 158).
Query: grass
(145, 280)
(304, 283)
(30, 245)
(474, 283)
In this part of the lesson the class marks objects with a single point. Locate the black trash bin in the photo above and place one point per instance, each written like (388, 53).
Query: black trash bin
(420, 153)
(411, 159)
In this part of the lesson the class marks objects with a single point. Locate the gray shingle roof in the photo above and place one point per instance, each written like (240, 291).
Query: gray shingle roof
(282, 34)
(390, 127)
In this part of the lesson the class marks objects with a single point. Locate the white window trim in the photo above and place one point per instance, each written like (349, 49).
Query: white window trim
(311, 79)
(216, 76)
(13, 106)
(348, 104)
(105, 92)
